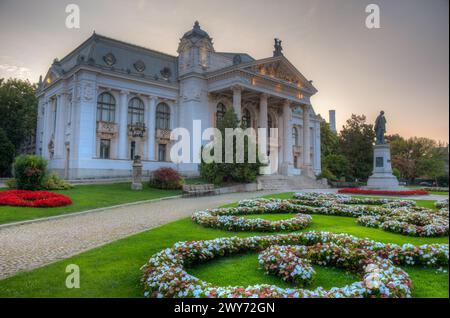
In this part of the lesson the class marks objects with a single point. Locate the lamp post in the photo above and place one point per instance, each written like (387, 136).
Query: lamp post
(137, 131)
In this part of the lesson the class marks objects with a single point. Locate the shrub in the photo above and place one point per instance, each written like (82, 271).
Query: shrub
(327, 174)
(166, 178)
(29, 172)
(53, 182)
(6, 154)
(11, 183)
(397, 173)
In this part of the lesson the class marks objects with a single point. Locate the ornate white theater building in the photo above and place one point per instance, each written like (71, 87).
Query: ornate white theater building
(107, 100)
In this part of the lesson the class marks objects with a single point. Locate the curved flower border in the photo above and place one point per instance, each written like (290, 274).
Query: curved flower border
(35, 199)
(289, 263)
(398, 216)
(442, 204)
(164, 275)
(228, 219)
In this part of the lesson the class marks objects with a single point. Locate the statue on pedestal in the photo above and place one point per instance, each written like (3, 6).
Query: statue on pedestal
(382, 177)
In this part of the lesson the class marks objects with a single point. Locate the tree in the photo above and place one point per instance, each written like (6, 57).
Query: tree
(431, 168)
(6, 154)
(411, 156)
(18, 109)
(218, 172)
(356, 144)
(329, 140)
(338, 165)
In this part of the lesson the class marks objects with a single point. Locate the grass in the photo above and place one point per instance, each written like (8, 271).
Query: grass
(86, 197)
(438, 192)
(113, 270)
(195, 181)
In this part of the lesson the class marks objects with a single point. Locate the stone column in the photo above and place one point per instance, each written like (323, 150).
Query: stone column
(151, 129)
(263, 141)
(60, 123)
(123, 125)
(237, 97)
(306, 139)
(287, 137)
(263, 111)
(46, 128)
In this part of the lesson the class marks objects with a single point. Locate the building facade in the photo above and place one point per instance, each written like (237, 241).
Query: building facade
(108, 100)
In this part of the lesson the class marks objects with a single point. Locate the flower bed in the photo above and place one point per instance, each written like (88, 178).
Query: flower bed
(164, 275)
(347, 199)
(37, 199)
(443, 204)
(398, 216)
(286, 263)
(227, 219)
(383, 192)
(414, 223)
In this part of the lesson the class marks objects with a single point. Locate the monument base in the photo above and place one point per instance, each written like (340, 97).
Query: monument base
(382, 177)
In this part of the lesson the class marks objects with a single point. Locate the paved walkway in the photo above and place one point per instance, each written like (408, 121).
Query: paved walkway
(32, 245)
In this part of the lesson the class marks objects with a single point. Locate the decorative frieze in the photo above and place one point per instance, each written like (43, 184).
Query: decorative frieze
(106, 130)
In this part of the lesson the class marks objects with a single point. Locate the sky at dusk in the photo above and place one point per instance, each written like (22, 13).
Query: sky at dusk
(401, 68)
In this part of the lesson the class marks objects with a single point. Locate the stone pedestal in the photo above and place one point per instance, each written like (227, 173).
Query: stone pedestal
(382, 177)
(137, 174)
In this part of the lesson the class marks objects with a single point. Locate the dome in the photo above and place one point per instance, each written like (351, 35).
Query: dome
(196, 32)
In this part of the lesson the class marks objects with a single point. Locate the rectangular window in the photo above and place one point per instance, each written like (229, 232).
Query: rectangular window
(161, 152)
(132, 149)
(105, 146)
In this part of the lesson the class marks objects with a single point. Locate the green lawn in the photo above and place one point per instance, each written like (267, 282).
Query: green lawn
(113, 270)
(438, 192)
(85, 197)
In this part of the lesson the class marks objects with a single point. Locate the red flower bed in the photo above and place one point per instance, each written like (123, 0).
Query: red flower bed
(37, 199)
(383, 192)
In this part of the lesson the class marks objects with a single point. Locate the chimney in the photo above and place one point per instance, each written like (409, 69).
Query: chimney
(332, 120)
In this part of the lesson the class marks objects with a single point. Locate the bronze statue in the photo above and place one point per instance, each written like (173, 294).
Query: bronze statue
(278, 48)
(380, 129)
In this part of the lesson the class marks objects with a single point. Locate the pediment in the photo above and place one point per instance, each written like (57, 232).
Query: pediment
(281, 69)
(50, 77)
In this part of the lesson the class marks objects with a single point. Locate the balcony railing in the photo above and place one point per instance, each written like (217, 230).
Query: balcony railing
(163, 134)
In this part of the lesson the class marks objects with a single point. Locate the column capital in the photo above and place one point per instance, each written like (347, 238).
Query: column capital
(124, 92)
(287, 103)
(264, 96)
(152, 98)
(236, 88)
(306, 107)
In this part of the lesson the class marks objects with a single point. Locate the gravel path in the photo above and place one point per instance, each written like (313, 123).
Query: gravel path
(32, 245)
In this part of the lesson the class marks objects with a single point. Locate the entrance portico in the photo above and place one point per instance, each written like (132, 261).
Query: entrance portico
(272, 100)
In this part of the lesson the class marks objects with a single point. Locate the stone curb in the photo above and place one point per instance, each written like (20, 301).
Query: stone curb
(62, 216)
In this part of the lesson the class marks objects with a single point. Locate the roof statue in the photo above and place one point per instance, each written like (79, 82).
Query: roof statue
(278, 48)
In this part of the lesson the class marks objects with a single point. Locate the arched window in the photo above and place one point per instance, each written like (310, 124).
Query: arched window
(135, 111)
(246, 119)
(106, 107)
(295, 135)
(220, 112)
(163, 116)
